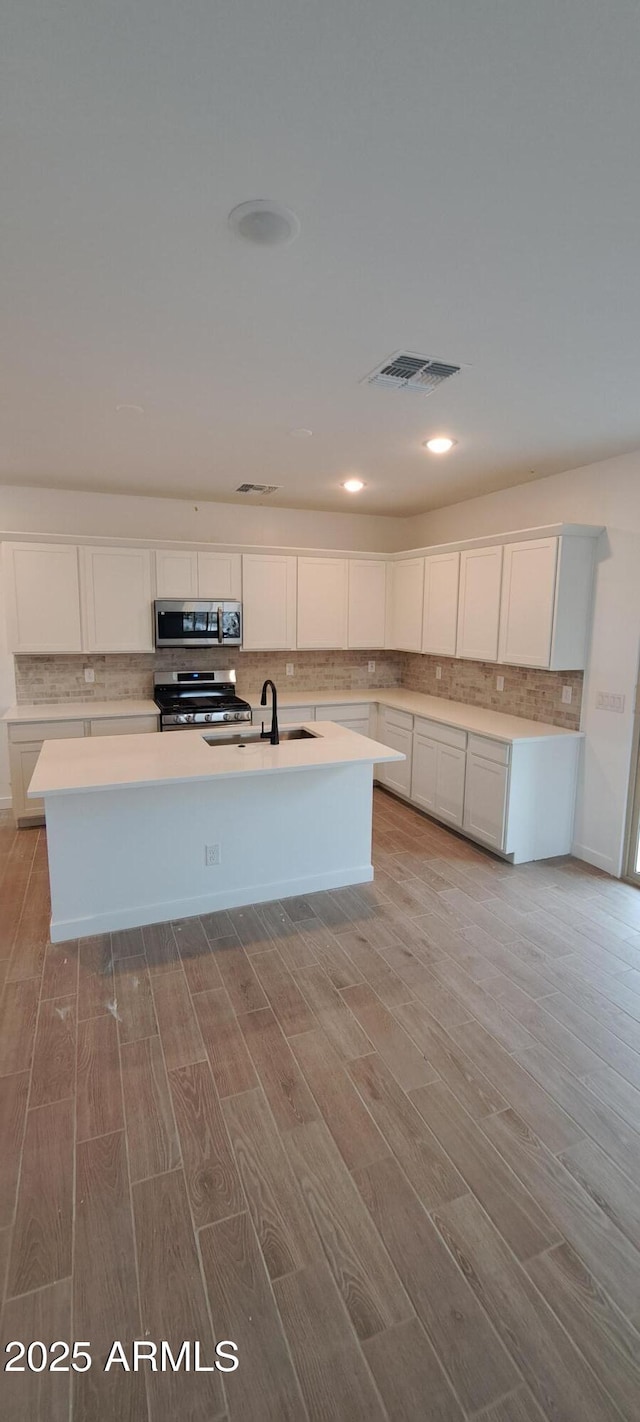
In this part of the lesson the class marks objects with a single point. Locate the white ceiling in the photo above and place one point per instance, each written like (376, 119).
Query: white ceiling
(466, 176)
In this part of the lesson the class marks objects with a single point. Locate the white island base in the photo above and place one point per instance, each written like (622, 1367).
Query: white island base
(136, 851)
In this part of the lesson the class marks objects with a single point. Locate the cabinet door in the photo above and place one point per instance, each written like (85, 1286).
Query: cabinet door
(220, 575)
(23, 763)
(322, 602)
(528, 600)
(450, 777)
(43, 597)
(116, 599)
(440, 614)
(485, 800)
(397, 774)
(479, 604)
(268, 602)
(367, 603)
(406, 592)
(424, 772)
(176, 573)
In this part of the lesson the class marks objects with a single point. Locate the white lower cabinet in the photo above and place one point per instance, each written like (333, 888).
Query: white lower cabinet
(26, 739)
(438, 774)
(487, 782)
(396, 730)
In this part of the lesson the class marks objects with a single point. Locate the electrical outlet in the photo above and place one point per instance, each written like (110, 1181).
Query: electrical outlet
(610, 701)
(371, 666)
(211, 854)
(567, 695)
(499, 683)
(289, 668)
(89, 674)
(438, 673)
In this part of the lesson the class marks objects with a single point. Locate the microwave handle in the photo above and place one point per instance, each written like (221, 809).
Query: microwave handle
(220, 625)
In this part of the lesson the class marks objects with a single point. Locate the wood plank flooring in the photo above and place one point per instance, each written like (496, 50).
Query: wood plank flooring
(385, 1139)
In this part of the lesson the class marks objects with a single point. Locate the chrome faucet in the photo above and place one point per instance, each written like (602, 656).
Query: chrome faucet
(273, 735)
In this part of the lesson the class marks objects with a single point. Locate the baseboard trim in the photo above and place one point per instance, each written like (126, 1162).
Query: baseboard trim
(599, 861)
(5, 802)
(137, 916)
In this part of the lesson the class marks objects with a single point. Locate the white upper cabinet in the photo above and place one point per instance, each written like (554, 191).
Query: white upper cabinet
(367, 603)
(176, 573)
(220, 575)
(528, 600)
(116, 594)
(440, 614)
(269, 601)
(546, 603)
(183, 574)
(406, 592)
(322, 602)
(479, 603)
(43, 597)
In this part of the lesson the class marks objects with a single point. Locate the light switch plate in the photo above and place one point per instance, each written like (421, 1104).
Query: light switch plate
(610, 701)
(289, 668)
(567, 695)
(371, 666)
(89, 674)
(499, 683)
(438, 673)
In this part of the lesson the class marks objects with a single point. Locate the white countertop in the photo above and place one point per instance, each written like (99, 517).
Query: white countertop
(67, 767)
(78, 711)
(475, 719)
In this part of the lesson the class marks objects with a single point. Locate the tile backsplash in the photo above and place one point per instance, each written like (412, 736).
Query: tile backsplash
(527, 691)
(61, 678)
(530, 693)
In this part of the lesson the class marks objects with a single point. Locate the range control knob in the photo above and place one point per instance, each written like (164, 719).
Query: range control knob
(208, 716)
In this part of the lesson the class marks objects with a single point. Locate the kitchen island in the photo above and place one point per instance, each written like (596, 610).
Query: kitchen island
(142, 829)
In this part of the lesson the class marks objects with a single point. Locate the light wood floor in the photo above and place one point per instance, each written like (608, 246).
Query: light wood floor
(386, 1140)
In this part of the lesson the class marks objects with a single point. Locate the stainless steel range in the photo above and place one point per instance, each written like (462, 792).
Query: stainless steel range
(187, 700)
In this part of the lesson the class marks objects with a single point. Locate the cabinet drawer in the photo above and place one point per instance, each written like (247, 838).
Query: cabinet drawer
(340, 712)
(497, 751)
(402, 719)
(446, 735)
(44, 731)
(288, 715)
(124, 725)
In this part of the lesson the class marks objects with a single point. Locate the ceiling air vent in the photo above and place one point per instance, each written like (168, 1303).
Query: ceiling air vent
(407, 371)
(258, 488)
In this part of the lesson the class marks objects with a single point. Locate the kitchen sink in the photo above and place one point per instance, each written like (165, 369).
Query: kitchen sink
(297, 733)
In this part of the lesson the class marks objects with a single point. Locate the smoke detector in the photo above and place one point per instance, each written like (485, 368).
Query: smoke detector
(258, 488)
(407, 371)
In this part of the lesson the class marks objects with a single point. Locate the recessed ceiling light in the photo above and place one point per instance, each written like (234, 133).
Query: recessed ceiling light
(441, 444)
(301, 433)
(353, 486)
(267, 224)
(129, 409)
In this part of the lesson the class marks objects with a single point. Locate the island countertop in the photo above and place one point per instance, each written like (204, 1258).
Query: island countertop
(70, 767)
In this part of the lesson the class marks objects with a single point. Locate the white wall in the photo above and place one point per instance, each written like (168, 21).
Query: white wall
(607, 493)
(7, 698)
(63, 511)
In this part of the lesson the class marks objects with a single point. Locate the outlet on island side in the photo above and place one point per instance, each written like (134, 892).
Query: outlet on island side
(211, 855)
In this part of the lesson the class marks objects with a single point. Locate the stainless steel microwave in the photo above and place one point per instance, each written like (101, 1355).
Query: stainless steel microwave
(201, 623)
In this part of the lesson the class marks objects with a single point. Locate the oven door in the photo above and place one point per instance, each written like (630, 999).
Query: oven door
(197, 623)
